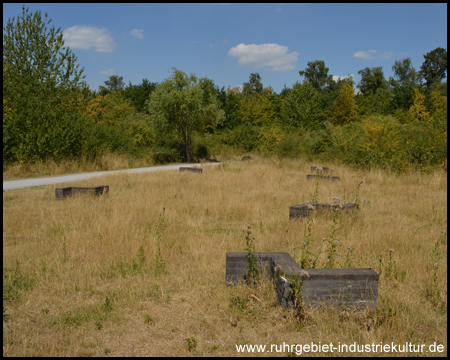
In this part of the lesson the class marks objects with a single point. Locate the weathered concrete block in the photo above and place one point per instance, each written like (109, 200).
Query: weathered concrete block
(196, 170)
(355, 288)
(324, 169)
(323, 177)
(300, 211)
(61, 193)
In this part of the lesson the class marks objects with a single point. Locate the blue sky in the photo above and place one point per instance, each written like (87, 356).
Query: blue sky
(226, 42)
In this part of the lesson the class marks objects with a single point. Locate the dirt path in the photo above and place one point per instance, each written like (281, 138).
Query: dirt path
(19, 184)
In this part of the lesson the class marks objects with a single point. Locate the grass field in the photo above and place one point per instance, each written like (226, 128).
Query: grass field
(141, 271)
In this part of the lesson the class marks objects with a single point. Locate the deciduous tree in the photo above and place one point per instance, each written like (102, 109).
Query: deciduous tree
(344, 108)
(45, 91)
(178, 105)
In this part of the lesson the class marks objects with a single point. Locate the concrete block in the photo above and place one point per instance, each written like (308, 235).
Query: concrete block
(323, 177)
(61, 193)
(300, 211)
(324, 169)
(352, 288)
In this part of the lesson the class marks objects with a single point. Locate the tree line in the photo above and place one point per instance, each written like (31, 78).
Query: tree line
(50, 112)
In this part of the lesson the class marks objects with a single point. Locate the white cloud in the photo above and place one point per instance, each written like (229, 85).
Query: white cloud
(366, 55)
(137, 33)
(372, 54)
(108, 72)
(85, 36)
(273, 56)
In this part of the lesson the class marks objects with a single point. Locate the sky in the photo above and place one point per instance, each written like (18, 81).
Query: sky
(226, 42)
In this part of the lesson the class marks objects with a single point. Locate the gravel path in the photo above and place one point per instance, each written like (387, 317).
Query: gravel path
(19, 184)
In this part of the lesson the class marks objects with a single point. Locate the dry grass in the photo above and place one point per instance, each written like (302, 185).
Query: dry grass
(81, 278)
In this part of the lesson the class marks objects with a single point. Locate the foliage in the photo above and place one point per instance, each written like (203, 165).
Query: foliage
(434, 67)
(178, 105)
(403, 83)
(253, 86)
(43, 90)
(107, 109)
(258, 109)
(302, 107)
(371, 80)
(317, 75)
(138, 95)
(113, 84)
(344, 108)
(418, 110)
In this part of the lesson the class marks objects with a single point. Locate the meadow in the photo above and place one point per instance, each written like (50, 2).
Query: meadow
(141, 271)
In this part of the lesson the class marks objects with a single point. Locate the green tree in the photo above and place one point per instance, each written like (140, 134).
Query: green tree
(371, 80)
(434, 68)
(139, 94)
(254, 85)
(114, 83)
(257, 110)
(301, 107)
(178, 105)
(403, 83)
(44, 91)
(317, 74)
(344, 108)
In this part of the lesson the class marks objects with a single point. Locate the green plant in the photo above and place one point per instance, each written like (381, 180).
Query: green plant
(14, 282)
(349, 257)
(160, 265)
(148, 319)
(191, 343)
(334, 243)
(433, 292)
(238, 302)
(252, 267)
(107, 305)
(296, 285)
(65, 255)
(98, 324)
(309, 259)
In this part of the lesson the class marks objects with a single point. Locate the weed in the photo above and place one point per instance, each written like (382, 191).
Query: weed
(107, 351)
(349, 257)
(333, 242)
(252, 262)
(99, 325)
(45, 311)
(296, 284)
(433, 292)
(160, 265)
(238, 302)
(390, 269)
(191, 343)
(148, 319)
(65, 255)
(107, 305)
(141, 255)
(14, 282)
(308, 259)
